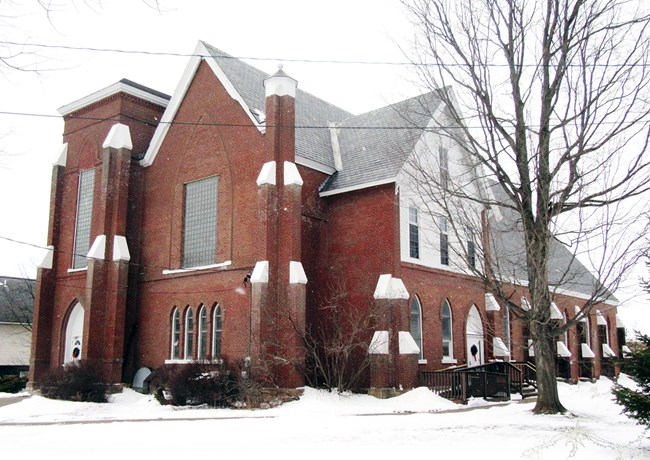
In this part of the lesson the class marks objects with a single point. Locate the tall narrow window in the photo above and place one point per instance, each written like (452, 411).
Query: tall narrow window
(203, 332)
(444, 241)
(471, 249)
(583, 331)
(200, 223)
(416, 324)
(216, 332)
(447, 334)
(414, 233)
(189, 334)
(84, 218)
(444, 168)
(175, 335)
(506, 326)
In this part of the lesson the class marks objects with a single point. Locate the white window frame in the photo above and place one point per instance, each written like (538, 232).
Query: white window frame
(420, 342)
(413, 221)
(202, 347)
(189, 334)
(450, 356)
(175, 338)
(217, 331)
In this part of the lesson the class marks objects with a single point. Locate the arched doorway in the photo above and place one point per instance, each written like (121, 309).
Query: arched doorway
(474, 338)
(74, 332)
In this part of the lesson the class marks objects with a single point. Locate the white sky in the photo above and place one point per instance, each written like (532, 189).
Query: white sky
(359, 30)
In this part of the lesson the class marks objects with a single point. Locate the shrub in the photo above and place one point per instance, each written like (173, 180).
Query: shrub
(79, 381)
(636, 403)
(214, 384)
(12, 384)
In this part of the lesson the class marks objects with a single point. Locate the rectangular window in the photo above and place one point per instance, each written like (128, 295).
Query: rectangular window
(84, 218)
(414, 233)
(471, 249)
(200, 223)
(444, 241)
(444, 168)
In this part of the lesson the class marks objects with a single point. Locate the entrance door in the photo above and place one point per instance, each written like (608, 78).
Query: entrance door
(74, 332)
(474, 338)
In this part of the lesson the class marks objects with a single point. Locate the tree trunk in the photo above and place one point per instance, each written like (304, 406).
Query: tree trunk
(548, 400)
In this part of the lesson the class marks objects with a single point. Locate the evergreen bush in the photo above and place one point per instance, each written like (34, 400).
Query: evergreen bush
(636, 403)
(12, 384)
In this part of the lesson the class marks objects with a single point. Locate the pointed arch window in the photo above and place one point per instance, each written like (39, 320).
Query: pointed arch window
(175, 347)
(216, 332)
(447, 331)
(189, 334)
(203, 332)
(74, 334)
(416, 324)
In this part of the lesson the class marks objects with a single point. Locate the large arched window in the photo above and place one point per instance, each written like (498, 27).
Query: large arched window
(447, 331)
(189, 333)
(203, 332)
(216, 332)
(175, 335)
(416, 324)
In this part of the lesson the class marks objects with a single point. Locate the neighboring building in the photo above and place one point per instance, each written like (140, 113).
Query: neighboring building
(213, 223)
(16, 307)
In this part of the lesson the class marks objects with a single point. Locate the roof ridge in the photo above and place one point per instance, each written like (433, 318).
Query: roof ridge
(223, 55)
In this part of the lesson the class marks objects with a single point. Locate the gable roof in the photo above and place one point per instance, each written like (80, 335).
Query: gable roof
(245, 84)
(566, 273)
(375, 145)
(16, 300)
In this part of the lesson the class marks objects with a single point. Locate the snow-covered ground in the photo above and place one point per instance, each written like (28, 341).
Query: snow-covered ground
(325, 425)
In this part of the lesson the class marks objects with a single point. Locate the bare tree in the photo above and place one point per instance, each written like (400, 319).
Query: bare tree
(549, 103)
(335, 341)
(17, 301)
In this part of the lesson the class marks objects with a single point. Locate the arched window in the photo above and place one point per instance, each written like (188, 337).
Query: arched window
(447, 334)
(175, 335)
(203, 333)
(216, 332)
(564, 337)
(416, 324)
(189, 333)
(74, 332)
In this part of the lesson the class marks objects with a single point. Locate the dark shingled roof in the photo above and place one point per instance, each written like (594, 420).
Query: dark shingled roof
(566, 272)
(313, 115)
(16, 300)
(375, 145)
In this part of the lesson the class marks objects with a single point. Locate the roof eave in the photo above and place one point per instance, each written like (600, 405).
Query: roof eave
(119, 87)
(200, 53)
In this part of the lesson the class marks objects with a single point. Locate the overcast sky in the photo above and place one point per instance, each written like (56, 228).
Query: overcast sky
(336, 30)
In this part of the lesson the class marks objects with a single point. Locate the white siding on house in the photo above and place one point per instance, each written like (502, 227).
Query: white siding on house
(15, 343)
(417, 193)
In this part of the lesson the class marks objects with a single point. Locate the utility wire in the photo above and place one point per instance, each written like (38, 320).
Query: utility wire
(133, 264)
(298, 60)
(245, 125)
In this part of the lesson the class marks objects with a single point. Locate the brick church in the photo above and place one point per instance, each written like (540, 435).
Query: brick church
(224, 220)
